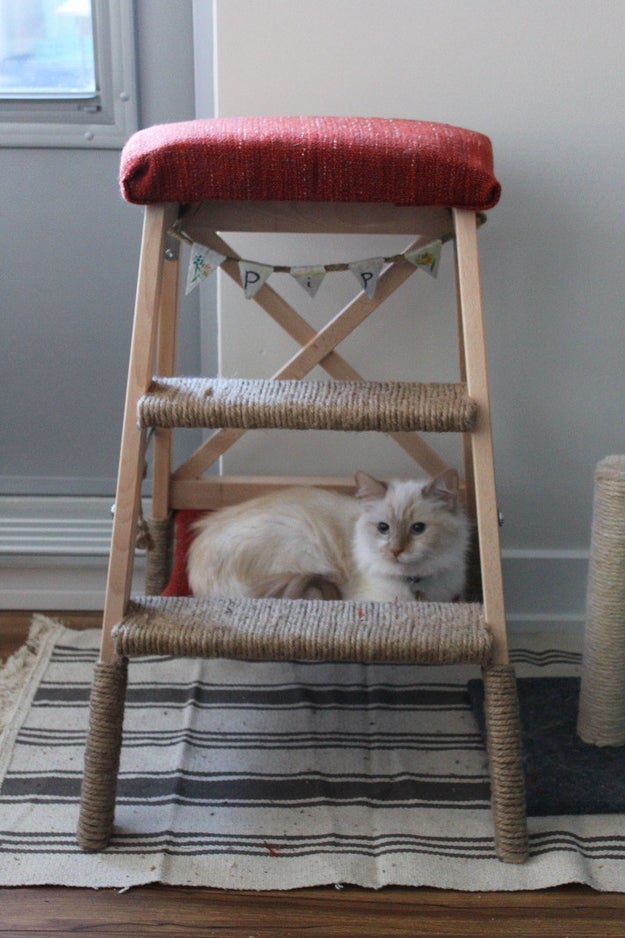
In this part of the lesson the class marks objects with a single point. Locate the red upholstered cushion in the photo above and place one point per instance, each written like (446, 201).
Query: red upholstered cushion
(310, 159)
(178, 584)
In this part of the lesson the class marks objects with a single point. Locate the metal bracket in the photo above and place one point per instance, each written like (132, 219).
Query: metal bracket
(172, 248)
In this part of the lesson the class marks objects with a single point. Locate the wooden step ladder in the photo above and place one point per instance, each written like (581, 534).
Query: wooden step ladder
(328, 175)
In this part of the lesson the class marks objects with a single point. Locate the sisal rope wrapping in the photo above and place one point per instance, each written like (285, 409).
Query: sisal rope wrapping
(314, 630)
(307, 405)
(601, 719)
(106, 715)
(159, 555)
(503, 726)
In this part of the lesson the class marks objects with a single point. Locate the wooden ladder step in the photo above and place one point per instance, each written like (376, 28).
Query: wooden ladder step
(388, 406)
(316, 630)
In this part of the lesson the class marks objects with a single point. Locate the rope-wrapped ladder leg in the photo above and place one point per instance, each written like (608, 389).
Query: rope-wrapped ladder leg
(159, 554)
(104, 739)
(503, 730)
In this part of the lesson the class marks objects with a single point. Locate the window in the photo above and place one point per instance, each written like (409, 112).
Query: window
(67, 73)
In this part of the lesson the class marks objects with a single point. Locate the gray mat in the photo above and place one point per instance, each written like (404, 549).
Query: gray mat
(563, 774)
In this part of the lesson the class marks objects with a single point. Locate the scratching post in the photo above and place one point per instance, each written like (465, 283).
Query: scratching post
(601, 719)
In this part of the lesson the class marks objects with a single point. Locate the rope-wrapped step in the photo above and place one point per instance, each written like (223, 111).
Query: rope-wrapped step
(387, 406)
(316, 630)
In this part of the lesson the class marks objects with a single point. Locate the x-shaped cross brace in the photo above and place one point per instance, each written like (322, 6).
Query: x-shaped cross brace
(318, 348)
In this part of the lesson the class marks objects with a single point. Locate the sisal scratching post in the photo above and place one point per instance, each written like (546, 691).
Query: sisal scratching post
(601, 718)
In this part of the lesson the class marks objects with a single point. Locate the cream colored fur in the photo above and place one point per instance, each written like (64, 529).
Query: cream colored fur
(307, 542)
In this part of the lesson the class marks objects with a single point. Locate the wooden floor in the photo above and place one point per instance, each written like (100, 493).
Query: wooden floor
(568, 912)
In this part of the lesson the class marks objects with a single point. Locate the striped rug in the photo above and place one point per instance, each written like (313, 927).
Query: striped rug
(276, 776)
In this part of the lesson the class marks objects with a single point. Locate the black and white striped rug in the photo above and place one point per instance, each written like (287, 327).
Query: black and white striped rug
(276, 776)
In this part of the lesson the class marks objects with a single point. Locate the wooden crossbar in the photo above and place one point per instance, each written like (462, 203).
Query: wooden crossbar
(318, 348)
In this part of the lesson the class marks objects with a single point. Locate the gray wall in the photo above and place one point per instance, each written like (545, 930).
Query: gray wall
(545, 80)
(70, 249)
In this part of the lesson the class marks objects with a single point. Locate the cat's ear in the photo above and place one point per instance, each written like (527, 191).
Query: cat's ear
(369, 488)
(445, 487)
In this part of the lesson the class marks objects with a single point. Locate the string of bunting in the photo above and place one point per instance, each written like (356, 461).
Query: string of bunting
(203, 261)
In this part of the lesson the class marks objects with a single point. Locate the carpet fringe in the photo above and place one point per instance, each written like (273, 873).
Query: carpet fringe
(16, 671)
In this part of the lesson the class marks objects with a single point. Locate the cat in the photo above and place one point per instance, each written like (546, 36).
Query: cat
(401, 540)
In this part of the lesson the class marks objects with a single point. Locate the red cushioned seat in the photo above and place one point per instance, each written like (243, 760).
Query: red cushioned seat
(310, 159)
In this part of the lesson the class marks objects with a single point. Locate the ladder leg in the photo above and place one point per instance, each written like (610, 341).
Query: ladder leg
(157, 220)
(165, 366)
(487, 517)
(106, 715)
(473, 589)
(159, 548)
(503, 729)
(501, 702)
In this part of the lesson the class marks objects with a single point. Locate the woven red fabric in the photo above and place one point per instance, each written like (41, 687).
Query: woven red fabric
(310, 159)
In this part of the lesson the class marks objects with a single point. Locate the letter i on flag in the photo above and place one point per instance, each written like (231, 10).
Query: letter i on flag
(202, 262)
(309, 278)
(253, 276)
(367, 273)
(428, 257)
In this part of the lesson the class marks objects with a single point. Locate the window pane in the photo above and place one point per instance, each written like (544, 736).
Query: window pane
(46, 49)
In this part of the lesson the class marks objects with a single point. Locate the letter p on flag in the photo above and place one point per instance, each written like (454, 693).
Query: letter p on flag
(253, 276)
(367, 273)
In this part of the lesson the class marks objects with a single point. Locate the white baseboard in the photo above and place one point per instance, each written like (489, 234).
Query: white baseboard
(71, 584)
(54, 552)
(545, 588)
(53, 555)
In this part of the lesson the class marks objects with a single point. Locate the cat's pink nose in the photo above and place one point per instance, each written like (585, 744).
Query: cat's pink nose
(396, 551)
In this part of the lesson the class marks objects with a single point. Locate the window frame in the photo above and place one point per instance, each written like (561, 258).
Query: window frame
(101, 121)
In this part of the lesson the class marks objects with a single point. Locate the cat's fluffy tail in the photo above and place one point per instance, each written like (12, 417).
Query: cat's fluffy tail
(299, 586)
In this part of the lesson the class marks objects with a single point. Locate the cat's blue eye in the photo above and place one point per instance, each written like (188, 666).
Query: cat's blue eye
(417, 528)
(383, 527)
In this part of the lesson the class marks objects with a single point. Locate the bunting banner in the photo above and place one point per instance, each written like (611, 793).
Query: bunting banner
(428, 258)
(367, 273)
(253, 276)
(309, 278)
(203, 261)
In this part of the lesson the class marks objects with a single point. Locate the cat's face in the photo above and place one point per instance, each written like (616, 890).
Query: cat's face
(406, 524)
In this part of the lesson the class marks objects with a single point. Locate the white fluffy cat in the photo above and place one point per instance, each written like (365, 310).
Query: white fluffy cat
(402, 540)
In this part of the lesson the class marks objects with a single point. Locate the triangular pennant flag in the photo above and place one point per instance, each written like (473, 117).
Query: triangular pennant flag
(427, 257)
(202, 262)
(253, 276)
(367, 273)
(309, 278)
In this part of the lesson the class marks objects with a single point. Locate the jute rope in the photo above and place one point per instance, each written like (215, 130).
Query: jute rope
(601, 719)
(307, 405)
(97, 805)
(159, 555)
(504, 753)
(426, 633)
(316, 630)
